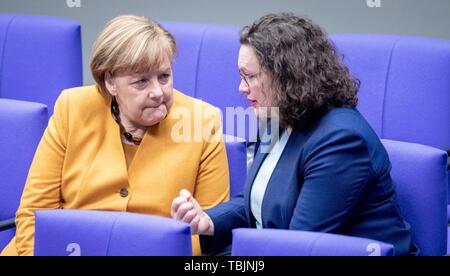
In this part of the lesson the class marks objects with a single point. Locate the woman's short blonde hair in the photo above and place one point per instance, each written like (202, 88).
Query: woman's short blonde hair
(132, 44)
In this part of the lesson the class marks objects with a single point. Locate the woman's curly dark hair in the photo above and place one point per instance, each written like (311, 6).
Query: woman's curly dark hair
(308, 77)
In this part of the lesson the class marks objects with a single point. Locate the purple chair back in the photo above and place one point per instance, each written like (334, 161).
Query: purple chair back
(206, 68)
(277, 242)
(405, 85)
(420, 175)
(101, 233)
(22, 126)
(39, 57)
(237, 163)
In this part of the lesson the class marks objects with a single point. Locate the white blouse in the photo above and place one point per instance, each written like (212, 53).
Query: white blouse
(263, 177)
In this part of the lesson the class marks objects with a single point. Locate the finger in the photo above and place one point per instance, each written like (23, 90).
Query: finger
(194, 225)
(186, 194)
(196, 205)
(204, 225)
(190, 215)
(176, 203)
(184, 208)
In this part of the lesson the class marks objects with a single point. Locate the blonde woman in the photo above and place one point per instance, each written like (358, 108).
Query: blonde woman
(112, 146)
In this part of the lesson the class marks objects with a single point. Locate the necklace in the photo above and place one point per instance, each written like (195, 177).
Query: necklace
(115, 112)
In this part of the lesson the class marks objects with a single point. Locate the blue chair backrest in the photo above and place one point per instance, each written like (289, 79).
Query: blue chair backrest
(420, 175)
(280, 242)
(237, 163)
(405, 85)
(101, 233)
(22, 125)
(39, 57)
(206, 68)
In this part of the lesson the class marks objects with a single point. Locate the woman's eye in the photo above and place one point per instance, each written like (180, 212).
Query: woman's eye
(141, 82)
(164, 78)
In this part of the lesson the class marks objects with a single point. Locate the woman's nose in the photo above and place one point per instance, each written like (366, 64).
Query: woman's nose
(156, 92)
(243, 88)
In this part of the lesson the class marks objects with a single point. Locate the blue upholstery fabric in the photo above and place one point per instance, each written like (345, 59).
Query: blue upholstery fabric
(101, 233)
(237, 161)
(420, 174)
(23, 124)
(252, 242)
(405, 85)
(39, 57)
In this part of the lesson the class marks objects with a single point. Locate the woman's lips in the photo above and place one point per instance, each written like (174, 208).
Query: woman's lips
(253, 103)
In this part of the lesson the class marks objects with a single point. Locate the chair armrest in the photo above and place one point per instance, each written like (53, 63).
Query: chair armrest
(7, 224)
(277, 242)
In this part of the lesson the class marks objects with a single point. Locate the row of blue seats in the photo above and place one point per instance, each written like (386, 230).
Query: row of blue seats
(405, 95)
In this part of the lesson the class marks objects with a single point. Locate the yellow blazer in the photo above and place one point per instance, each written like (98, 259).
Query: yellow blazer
(80, 163)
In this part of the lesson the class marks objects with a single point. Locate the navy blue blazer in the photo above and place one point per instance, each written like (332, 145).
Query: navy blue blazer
(333, 177)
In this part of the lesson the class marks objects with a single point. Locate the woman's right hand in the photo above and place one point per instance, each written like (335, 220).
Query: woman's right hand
(187, 209)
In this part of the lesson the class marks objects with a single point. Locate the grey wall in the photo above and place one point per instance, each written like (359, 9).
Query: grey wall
(404, 17)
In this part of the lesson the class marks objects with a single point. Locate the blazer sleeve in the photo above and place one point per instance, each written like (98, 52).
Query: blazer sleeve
(213, 181)
(226, 217)
(336, 171)
(43, 186)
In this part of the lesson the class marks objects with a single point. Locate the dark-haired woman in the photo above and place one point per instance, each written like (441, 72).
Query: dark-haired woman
(328, 171)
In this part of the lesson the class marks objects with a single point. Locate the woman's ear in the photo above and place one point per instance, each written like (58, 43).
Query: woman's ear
(110, 84)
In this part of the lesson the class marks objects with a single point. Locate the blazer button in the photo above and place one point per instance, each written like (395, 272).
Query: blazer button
(123, 192)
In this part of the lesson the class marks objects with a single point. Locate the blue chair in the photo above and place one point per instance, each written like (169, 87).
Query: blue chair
(206, 68)
(23, 124)
(237, 161)
(276, 242)
(39, 57)
(405, 86)
(420, 175)
(101, 233)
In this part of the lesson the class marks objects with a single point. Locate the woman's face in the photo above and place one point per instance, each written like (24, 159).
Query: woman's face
(255, 83)
(144, 99)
